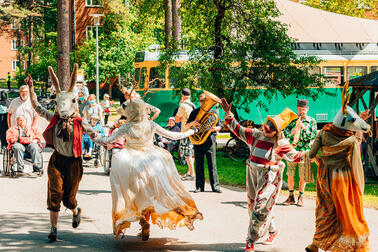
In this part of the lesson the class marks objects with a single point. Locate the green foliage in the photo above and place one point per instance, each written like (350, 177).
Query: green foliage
(121, 36)
(47, 54)
(346, 7)
(38, 17)
(236, 44)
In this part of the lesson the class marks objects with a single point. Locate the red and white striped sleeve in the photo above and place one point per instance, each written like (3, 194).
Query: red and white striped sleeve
(245, 134)
(286, 150)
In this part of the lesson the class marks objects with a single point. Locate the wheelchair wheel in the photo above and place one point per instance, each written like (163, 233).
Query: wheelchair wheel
(6, 162)
(237, 149)
(107, 161)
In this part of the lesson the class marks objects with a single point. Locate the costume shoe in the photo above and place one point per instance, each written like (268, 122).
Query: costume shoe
(311, 248)
(249, 247)
(53, 234)
(76, 219)
(271, 238)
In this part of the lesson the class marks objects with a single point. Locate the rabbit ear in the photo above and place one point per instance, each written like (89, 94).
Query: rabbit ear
(345, 98)
(73, 79)
(54, 80)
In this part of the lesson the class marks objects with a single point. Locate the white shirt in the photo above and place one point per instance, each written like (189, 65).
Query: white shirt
(19, 107)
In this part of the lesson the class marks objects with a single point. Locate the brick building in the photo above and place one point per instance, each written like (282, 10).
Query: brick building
(81, 25)
(9, 50)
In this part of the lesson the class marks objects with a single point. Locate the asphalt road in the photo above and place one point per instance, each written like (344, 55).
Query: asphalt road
(24, 220)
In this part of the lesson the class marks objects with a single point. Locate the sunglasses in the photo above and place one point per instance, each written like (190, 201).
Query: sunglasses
(271, 127)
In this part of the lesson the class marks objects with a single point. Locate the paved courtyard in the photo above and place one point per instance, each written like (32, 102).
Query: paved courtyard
(24, 221)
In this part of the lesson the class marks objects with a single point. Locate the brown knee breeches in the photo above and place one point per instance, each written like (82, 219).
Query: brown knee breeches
(64, 175)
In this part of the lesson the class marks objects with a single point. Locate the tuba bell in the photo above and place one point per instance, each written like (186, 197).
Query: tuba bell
(206, 119)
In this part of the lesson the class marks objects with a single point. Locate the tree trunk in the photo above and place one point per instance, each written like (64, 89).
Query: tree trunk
(63, 62)
(176, 21)
(218, 48)
(168, 22)
(30, 40)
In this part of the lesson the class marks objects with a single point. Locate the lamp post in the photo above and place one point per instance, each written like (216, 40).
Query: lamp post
(96, 18)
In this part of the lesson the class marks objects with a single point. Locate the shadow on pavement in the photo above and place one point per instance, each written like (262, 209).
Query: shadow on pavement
(28, 231)
(172, 244)
(90, 192)
(95, 173)
(242, 204)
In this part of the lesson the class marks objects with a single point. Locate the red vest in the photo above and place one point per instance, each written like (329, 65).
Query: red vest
(77, 137)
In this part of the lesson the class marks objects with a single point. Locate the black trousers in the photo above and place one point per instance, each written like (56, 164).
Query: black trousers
(208, 149)
(3, 129)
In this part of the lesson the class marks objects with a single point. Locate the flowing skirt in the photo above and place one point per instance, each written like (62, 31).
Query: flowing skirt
(146, 184)
(340, 222)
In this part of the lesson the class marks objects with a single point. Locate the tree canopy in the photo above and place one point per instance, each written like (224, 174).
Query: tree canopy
(237, 45)
(121, 35)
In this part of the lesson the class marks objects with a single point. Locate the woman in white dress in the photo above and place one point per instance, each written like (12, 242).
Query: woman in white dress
(144, 180)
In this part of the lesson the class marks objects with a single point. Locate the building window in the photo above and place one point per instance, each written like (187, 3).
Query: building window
(14, 44)
(356, 71)
(91, 31)
(15, 25)
(15, 65)
(94, 3)
(333, 76)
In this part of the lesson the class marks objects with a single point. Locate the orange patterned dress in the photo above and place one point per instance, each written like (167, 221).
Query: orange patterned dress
(340, 221)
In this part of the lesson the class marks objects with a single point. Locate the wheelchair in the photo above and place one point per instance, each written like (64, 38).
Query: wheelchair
(98, 154)
(108, 161)
(10, 163)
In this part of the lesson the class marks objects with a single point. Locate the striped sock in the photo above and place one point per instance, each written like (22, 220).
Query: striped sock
(301, 194)
(291, 192)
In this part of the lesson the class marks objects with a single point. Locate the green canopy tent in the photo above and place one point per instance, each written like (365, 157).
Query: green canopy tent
(364, 96)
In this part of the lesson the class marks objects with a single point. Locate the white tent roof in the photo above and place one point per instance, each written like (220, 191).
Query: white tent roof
(313, 25)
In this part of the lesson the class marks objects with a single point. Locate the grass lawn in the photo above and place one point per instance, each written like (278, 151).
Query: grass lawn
(233, 173)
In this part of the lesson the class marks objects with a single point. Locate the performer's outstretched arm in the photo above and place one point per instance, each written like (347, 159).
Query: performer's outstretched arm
(172, 135)
(119, 133)
(34, 101)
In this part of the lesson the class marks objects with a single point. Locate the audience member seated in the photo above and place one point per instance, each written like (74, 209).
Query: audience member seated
(88, 144)
(120, 142)
(23, 138)
(167, 143)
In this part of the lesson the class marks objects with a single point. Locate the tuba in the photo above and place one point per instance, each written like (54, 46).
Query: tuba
(206, 119)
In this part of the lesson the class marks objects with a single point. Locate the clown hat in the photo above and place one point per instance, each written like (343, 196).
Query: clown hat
(282, 120)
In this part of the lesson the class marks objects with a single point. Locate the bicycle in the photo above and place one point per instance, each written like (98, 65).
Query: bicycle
(237, 149)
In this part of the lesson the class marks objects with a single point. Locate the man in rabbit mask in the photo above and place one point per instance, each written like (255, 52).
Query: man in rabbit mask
(64, 134)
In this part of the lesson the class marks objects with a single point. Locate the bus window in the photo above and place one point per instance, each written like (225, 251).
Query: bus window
(333, 75)
(143, 74)
(373, 69)
(356, 71)
(137, 76)
(155, 73)
(173, 74)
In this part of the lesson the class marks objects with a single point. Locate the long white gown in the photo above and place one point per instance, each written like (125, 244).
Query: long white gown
(145, 181)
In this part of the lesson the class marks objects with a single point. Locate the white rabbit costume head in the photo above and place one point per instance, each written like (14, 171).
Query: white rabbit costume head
(347, 118)
(134, 110)
(66, 102)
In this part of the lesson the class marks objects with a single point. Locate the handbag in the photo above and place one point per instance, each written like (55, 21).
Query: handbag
(24, 140)
(107, 110)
